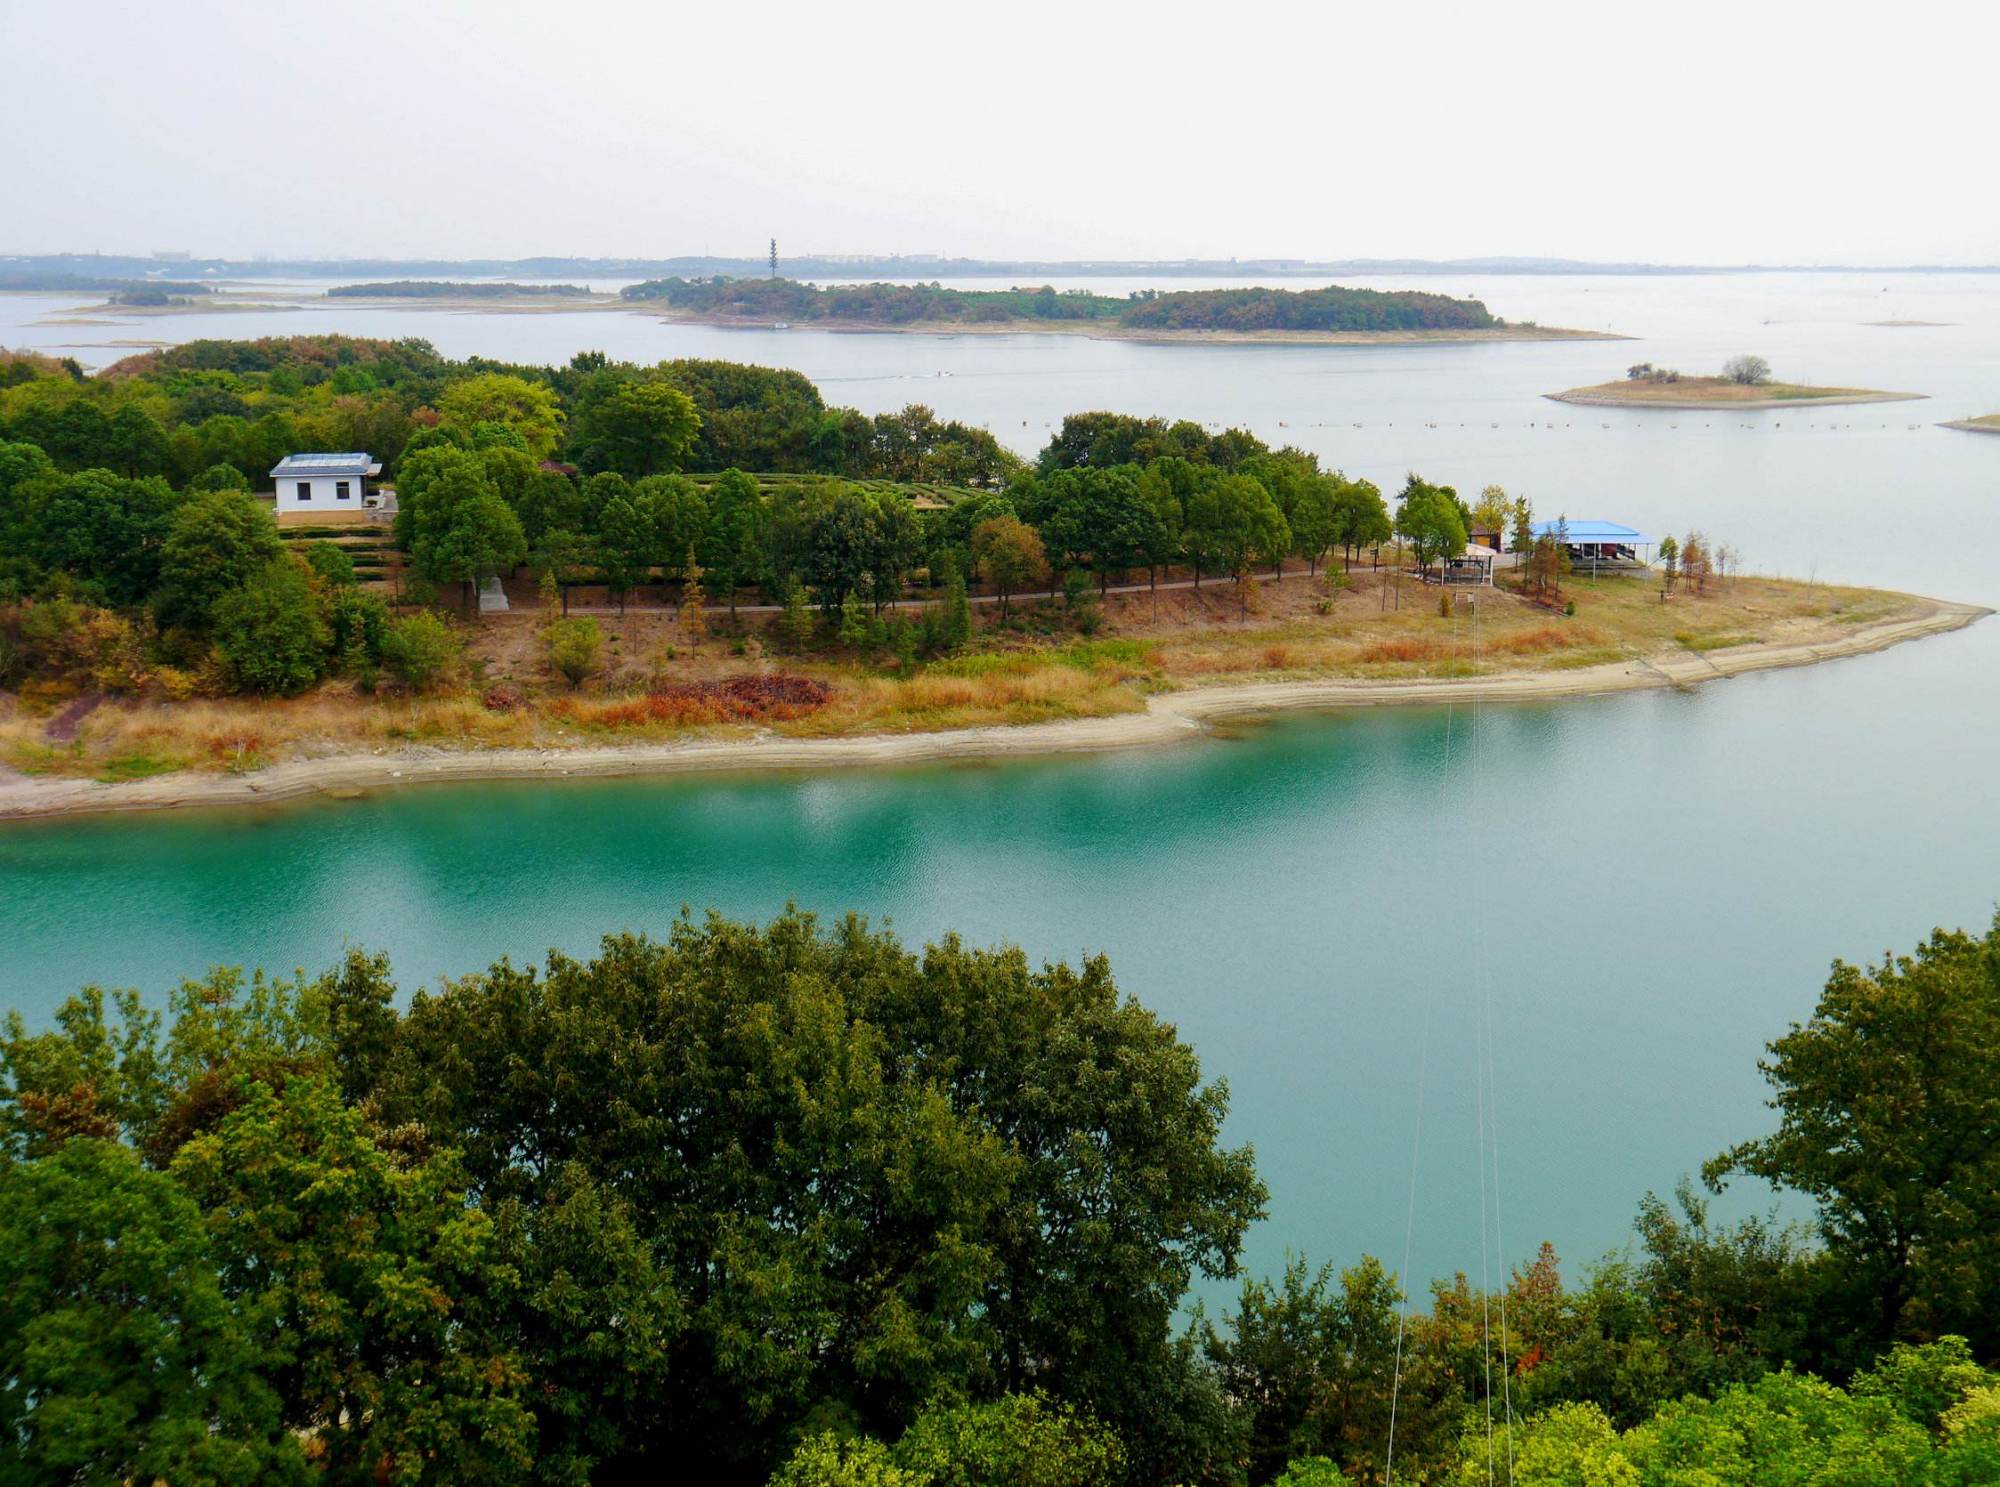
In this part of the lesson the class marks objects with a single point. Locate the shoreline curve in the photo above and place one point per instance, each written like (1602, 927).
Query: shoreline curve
(1706, 405)
(1167, 718)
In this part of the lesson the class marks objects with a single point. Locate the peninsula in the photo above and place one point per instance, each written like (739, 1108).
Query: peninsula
(1987, 424)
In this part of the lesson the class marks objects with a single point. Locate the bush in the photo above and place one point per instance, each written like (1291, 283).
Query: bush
(420, 648)
(1747, 371)
(331, 562)
(272, 632)
(575, 648)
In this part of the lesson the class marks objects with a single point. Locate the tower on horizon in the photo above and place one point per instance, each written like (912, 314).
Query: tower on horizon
(774, 258)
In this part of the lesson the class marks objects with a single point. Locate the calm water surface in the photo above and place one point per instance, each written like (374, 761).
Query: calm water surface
(1651, 886)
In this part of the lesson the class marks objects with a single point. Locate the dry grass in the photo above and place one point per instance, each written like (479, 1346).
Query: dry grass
(1032, 671)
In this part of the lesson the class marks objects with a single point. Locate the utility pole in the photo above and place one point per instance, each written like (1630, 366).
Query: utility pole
(774, 258)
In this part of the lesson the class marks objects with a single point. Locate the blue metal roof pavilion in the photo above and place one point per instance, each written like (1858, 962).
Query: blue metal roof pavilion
(1579, 532)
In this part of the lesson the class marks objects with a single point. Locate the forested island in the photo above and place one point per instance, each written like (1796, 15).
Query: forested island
(1333, 311)
(449, 289)
(1745, 382)
(704, 564)
(798, 1205)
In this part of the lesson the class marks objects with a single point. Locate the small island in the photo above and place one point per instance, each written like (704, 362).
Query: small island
(1333, 315)
(1745, 383)
(1987, 424)
(452, 289)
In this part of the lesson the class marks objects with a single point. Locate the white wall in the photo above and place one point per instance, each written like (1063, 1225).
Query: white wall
(323, 497)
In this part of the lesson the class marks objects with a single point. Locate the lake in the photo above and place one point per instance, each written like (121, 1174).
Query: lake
(1648, 886)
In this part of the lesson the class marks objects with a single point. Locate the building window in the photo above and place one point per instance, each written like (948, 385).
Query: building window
(340, 490)
(305, 490)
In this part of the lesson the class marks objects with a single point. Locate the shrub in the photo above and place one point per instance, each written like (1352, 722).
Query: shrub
(420, 648)
(331, 562)
(575, 649)
(272, 632)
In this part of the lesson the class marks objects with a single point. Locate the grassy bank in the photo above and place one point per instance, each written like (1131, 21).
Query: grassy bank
(657, 688)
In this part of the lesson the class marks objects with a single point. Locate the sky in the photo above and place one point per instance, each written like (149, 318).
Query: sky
(1748, 132)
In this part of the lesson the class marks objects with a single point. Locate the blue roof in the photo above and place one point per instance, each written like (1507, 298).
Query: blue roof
(1593, 531)
(323, 464)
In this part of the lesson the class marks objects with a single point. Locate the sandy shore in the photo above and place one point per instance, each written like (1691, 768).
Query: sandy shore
(1988, 425)
(1836, 397)
(1166, 719)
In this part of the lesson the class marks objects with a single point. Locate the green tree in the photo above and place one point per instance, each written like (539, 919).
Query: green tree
(420, 648)
(220, 477)
(453, 521)
(215, 543)
(527, 408)
(369, 1288)
(1234, 521)
(1429, 519)
(635, 427)
(273, 631)
(1018, 1440)
(121, 1359)
(1099, 519)
(795, 619)
(1889, 1118)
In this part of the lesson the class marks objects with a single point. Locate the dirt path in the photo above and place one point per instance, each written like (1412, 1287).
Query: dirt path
(1166, 718)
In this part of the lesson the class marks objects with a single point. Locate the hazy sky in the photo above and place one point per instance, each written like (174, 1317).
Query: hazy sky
(1748, 131)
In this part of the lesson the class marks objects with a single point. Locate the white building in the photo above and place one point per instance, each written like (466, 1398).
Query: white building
(323, 484)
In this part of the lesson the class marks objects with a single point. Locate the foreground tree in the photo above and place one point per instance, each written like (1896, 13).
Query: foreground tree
(1009, 553)
(273, 630)
(1889, 1117)
(215, 542)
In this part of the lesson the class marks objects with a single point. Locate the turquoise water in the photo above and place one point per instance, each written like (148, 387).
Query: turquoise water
(1652, 886)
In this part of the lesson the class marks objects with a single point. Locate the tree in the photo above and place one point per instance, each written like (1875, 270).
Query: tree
(734, 541)
(625, 544)
(575, 649)
(694, 602)
(1234, 521)
(1099, 519)
(121, 1360)
(218, 478)
(527, 408)
(453, 521)
(1364, 516)
(1492, 509)
(420, 648)
(635, 427)
(1747, 371)
(1429, 519)
(104, 531)
(795, 621)
(1670, 560)
(868, 1176)
(1521, 539)
(1009, 553)
(215, 542)
(272, 630)
(370, 1288)
(1889, 1117)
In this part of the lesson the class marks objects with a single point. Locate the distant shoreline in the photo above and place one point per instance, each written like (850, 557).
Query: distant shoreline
(1989, 424)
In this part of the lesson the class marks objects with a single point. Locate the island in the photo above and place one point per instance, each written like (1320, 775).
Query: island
(451, 289)
(1745, 383)
(1330, 315)
(607, 567)
(1987, 424)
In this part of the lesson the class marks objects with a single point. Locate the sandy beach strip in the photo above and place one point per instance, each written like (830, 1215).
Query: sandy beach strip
(1843, 398)
(1167, 718)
